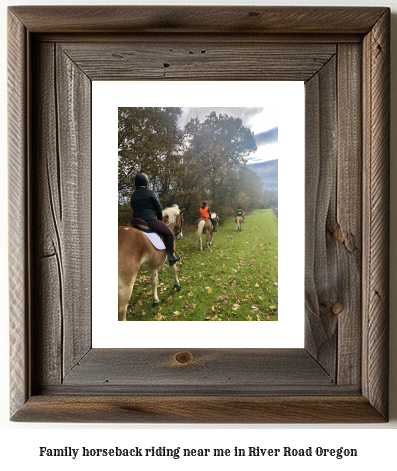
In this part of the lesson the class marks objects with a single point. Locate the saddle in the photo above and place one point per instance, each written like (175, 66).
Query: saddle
(142, 225)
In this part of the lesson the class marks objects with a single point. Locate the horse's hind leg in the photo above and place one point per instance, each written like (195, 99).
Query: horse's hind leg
(125, 291)
(177, 286)
(209, 238)
(124, 297)
(155, 283)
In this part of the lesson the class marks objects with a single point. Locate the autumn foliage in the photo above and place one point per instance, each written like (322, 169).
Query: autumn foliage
(186, 164)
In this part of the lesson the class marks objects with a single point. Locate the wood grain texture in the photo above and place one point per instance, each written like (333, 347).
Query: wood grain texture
(198, 19)
(62, 207)
(333, 215)
(341, 376)
(199, 409)
(73, 89)
(48, 243)
(321, 259)
(223, 59)
(19, 227)
(376, 92)
(227, 369)
(346, 228)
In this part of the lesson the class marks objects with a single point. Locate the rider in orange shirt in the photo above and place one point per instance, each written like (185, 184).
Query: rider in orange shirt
(206, 213)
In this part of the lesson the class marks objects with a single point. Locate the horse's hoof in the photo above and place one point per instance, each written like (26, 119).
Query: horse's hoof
(177, 287)
(157, 304)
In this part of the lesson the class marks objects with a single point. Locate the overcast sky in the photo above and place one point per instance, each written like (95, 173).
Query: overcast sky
(263, 122)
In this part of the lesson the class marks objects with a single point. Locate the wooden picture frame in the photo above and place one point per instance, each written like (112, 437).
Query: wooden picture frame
(342, 54)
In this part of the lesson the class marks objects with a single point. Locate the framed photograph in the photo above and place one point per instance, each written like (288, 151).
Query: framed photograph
(340, 375)
(244, 275)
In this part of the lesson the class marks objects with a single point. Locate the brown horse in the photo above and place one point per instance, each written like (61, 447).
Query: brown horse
(204, 224)
(239, 222)
(136, 253)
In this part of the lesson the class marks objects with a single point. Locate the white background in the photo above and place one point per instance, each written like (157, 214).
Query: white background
(288, 332)
(20, 442)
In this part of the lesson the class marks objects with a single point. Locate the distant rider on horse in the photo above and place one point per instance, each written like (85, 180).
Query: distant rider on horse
(240, 212)
(146, 206)
(206, 213)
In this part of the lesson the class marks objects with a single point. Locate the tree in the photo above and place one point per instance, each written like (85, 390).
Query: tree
(218, 147)
(204, 161)
(250, 185)
(270, 198)
(149, 141)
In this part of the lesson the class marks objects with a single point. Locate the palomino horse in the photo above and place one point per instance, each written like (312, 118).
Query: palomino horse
(239, 221)
(204, 224)
(136, 253)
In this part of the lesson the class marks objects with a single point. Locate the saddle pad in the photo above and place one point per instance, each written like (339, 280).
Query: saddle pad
(155, 239)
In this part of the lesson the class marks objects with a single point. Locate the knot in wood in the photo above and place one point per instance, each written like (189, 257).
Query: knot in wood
(337, 308)
(183, 358)
(338, 235)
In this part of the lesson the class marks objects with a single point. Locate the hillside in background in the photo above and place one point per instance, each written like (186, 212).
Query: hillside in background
(268, 171)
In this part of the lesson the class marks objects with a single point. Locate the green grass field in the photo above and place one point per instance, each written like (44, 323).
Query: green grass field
(236, 279)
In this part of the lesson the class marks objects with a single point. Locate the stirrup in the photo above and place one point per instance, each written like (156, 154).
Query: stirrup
(172, 260)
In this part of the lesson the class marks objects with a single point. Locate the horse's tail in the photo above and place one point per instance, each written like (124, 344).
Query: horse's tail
(200, 229)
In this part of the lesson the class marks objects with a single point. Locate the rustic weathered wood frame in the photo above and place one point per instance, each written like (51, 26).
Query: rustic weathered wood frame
(343, 56)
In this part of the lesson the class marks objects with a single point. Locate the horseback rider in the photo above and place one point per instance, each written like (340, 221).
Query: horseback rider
(206, 213)
(240, 212)
(146, 206)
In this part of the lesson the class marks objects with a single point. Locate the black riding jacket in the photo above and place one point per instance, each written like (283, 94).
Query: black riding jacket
(145, 205)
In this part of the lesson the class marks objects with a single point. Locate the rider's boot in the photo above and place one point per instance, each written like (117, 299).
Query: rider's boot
(169, 248)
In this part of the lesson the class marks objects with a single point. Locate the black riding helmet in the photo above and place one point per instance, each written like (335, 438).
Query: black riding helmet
(204, 203)
(141, 180)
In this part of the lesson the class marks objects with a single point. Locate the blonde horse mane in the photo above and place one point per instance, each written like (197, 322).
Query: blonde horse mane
(171, 213)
